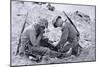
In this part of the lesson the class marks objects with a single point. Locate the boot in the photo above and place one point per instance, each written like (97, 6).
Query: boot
(66, 54)
(77, 50)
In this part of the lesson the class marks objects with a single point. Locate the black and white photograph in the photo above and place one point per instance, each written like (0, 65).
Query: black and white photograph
(51, 33)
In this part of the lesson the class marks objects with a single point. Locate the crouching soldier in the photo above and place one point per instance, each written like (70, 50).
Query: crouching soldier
(30, 41)
(69, 38)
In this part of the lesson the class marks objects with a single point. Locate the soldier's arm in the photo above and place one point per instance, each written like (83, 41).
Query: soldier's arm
(35, 40)
(38, 39)
(32, 36)
(64, 37)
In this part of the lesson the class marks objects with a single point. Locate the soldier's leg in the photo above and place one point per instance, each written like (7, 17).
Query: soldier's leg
(77, 50)
(53, 54)
(65, 48)
(38, 50)
(22, 47)
(36, 53)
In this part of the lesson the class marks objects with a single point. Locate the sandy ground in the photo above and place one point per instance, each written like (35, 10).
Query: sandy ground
(87, 31)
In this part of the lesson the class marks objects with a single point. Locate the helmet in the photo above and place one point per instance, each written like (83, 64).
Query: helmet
(55, 19)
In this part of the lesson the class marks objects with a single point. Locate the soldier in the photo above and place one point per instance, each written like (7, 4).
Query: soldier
(31, 41)
(69, 38)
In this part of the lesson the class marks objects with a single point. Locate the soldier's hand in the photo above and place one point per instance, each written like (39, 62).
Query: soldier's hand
(42, 30)
(21, 54)
(66, 54)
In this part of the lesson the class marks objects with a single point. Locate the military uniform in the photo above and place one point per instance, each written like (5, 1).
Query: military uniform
(69, 39)
(31, 43)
